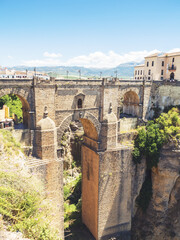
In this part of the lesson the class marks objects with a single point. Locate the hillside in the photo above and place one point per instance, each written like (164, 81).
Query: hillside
(125, 70)
(24, 207)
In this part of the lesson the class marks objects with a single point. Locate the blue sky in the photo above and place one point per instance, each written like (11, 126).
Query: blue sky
(95, 33)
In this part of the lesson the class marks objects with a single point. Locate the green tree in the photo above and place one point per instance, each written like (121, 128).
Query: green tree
(14, 104)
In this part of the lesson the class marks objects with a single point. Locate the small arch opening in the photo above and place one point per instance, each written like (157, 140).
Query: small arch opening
(131, 104)
(79, 103)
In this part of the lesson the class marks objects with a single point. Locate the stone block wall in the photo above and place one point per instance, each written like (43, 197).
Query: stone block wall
(115, 194)
(127, 124)
(90, 175)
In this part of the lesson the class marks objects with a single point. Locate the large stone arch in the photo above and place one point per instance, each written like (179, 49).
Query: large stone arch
(87, 117)
(131, 103)
(23, 95)
(17, 91)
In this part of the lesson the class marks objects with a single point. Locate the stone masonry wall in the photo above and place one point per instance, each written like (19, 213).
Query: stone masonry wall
(115, 194)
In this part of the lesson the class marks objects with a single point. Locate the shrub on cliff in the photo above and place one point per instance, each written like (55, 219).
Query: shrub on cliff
(23, 205)
(148, 144)
(151, 138)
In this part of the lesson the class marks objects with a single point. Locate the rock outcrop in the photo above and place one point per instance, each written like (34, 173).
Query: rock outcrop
(162, 218)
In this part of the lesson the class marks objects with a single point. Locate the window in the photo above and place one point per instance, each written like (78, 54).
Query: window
(147, 64)
(162, 72)
(162, 63)
(79, 103)
(162, 78)
(149, 78)
(152, 63)
(141, 72)
(173, 60)
(138, 72)
(149, 72)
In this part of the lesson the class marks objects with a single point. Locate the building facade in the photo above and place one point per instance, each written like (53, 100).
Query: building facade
(164, 66)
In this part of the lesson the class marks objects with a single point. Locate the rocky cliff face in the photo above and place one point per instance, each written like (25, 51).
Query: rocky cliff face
(162, 218)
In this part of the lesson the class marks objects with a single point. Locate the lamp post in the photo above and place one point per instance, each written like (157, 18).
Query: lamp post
(35, 71)
(115, 73)
(79, 71)
(100, 74)
(67, 72)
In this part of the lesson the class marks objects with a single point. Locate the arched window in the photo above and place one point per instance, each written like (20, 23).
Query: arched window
(79, 103)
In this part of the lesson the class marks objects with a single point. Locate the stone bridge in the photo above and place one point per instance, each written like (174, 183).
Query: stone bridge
(107, 111)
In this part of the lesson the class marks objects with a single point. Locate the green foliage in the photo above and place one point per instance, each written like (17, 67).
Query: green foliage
(11, 146)
(23, 208)
(72, 204)
(14, 104)
(23, 205)
(151, 138)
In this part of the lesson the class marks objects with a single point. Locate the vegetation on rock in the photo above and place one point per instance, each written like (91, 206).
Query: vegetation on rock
(148, 144)
(23, 205)
(71, 145)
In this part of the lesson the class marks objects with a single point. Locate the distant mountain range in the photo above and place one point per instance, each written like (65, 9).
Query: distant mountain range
(125, 70)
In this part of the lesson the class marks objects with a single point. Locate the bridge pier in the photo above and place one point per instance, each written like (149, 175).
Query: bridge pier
(46, 149)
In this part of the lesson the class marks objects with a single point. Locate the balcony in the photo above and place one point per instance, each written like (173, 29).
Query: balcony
(172, 68)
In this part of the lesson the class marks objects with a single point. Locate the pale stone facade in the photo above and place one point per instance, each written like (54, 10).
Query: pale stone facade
(159, 67)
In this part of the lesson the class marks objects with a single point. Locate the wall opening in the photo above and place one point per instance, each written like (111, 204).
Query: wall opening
(130, 105)
(79, 103)
(172, 76)
(14, 111)
(81, 162)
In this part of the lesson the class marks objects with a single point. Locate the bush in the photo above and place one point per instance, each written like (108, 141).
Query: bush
(23, 206)
(72, 204)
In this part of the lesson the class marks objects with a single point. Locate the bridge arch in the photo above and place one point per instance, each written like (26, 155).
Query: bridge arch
(88, 117)
(131, 103)
(24, 98)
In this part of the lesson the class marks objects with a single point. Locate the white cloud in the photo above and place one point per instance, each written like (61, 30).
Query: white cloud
(52, 55)
(10, 57)
(94, 60)
(109, 60)
(174, 50)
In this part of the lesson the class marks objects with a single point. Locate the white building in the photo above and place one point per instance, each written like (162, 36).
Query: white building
(11, 74)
